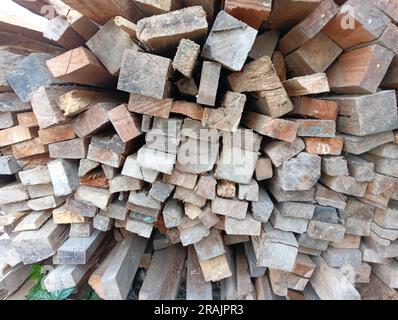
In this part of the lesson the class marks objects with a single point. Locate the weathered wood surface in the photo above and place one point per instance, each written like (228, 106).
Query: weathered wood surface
(163, 32)
(111, 38)
(113, 277)
(309, 27)
(197, 288)
(209, 83)
(101, 11)
(229, 49)
(161, 283)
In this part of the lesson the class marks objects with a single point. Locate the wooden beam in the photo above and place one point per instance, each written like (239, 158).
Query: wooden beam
(308, 59)
(360, 65)
(197, 288)
(111, 38)
(122, 260)
(170, 28)
(252, 13)
(229, 48)
(130, 78)
(288, 13)
(80, 66)
(164, 274)
(276, 128)
(186, 57)
(351, 25)
(209, 83)
(101, 11)
(309, 27)
(312, 84)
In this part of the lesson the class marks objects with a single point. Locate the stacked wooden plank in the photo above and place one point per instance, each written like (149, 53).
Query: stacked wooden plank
(255, 147)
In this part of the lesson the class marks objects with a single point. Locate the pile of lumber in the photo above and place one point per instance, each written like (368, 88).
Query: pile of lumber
(246, 143)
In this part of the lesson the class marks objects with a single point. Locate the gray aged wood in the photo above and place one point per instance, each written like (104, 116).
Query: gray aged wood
(300, 173)
(359, 145)
(164, 274)
(247, 226)
(209, 83)
(13, 192)
(334, 166)
(81, 230)
(172, 213)
(80, 207)
(211, 246)
(140, 77)
(358, 217)
(337, 258)
(37, 245)
(197, 287)
(330, 284)
(289, 224)
(229, 42)
(29, 75)
(357, 115)
(79, 250)
(33, 221)
(64, 176)
(48, 202)
(325, 231)
(109, 44)
(282, 196)
(36, 176)
(112, 279)
(132, 169)
(236, 165)
(230, 207)
(296, 209)
(95, 196)
(265, 44)
(327, 197)
(70, 149)
(156, 160)
(275, 249)
(262, 208)
(255, 271)
(345, 184)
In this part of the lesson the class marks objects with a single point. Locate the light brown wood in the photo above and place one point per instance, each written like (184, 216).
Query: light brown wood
(252, 12)
(312, 84)
(127, 125)
(80, 66)
(16, 134)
